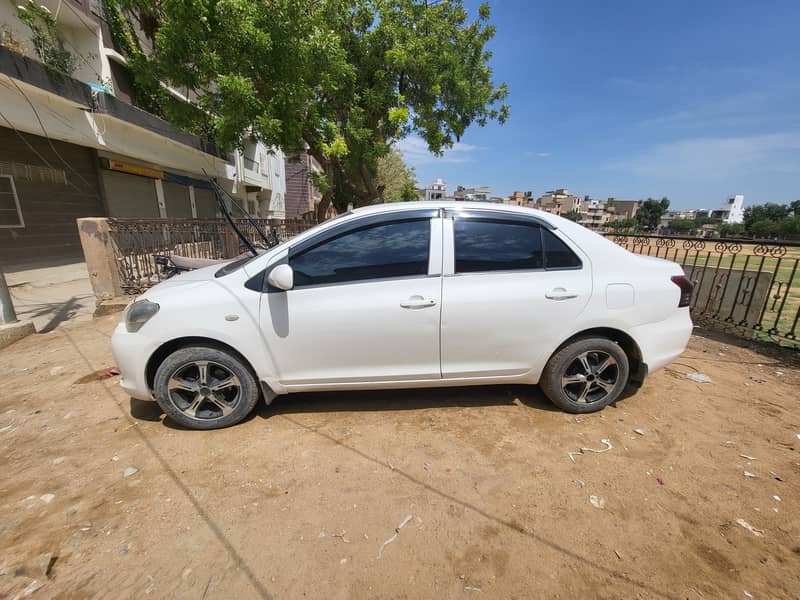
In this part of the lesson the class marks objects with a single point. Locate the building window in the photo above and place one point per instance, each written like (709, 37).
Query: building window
(10, 212)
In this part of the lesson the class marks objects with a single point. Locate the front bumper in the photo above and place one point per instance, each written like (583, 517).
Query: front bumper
(131, 352)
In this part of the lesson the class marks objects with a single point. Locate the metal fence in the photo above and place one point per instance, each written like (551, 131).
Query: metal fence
(750, 288)
(136, 243)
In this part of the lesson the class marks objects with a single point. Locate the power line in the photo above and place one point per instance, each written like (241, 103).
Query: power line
(37, 153)
(49, 141)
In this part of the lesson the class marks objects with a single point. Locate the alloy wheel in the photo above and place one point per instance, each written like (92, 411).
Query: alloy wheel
(204, 389)
(590, 377)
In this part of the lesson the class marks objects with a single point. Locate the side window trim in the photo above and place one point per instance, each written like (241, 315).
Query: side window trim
(569, 247)
(434, 246)
(489, 216)
(360, 223)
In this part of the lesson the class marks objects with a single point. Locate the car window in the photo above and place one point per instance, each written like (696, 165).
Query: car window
(496, 246)
(396, 249)
(557, 255)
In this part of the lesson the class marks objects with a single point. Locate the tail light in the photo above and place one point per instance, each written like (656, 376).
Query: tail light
(686, 289)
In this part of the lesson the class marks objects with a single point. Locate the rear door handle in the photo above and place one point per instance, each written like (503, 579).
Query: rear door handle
(418, 302)
(561, 293)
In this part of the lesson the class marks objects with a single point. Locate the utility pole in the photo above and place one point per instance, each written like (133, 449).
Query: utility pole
(7, 313)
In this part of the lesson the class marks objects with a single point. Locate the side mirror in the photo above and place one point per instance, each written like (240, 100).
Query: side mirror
(281, 277)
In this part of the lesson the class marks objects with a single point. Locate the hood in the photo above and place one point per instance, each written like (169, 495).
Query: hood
(186, 280)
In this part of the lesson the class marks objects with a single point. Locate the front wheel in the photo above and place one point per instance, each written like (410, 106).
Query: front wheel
(585, 375)
(205, 388)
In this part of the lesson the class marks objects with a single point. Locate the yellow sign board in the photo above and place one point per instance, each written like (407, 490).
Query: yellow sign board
(125, 167)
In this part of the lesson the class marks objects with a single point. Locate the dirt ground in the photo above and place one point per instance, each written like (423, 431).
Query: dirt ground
(304, 499)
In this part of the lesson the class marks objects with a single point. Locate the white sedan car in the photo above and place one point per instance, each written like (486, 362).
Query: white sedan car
(407, 295)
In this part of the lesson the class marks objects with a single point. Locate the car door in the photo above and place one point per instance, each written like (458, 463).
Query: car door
(365, 306)
(511, 289)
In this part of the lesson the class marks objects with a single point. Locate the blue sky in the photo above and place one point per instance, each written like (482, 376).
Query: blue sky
(693, 100)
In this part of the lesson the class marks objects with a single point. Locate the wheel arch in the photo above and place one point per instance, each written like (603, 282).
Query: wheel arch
(167, 348)
(638, 368)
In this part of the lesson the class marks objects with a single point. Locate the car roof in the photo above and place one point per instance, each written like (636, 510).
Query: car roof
(457, 204)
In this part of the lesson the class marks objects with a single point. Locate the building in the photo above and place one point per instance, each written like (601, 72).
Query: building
(76, 142)
(622, 209)
(593, 214)
(671, 215)
(302, 196)
(559, 202)
(732, 212)
(435, 191)
(475, 194)
(521, 199)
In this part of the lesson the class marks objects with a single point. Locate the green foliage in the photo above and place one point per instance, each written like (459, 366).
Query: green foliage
(395, 181)
(572, 215)
(650, 212)
(46, 38)
(731, 229)
(764, 212)
(320, 182)
(682, 225)
(147, 90)
(772, 220)
(622, 224)
(346, 77)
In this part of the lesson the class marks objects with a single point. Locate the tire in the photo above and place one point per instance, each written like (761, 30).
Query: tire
(201, 387)
(586, 375)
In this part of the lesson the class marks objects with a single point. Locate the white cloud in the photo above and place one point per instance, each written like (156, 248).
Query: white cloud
(415, 152)
(716, 157)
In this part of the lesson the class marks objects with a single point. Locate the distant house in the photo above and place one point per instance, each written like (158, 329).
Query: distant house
(302, 197)
(476, 194)
(435, 191)
(559, 202)
(593, 214)
(622, 209)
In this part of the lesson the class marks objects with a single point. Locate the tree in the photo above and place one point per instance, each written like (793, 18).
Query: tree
(682, 225)
(795, 208)
(764, 212)
(572, 215)
(395, 181)
(621, 224)
(764, 228)
(731, 229)
(345, 77)
(649, 213)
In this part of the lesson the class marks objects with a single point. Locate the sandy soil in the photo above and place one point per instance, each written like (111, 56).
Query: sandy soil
(298, 501)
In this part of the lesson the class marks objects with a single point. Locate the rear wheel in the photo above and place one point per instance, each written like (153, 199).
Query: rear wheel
(585, 375)
(205, 388)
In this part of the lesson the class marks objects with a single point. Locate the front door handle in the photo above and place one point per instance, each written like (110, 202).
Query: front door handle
(561, 293)
(418, 302)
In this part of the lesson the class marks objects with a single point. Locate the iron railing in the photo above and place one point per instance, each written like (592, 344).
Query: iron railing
(751, 288)
(136, 243)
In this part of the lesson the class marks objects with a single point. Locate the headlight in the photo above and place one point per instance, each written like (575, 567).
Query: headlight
(139, 313)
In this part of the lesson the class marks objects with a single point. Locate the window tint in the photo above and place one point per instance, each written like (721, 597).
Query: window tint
(557, 253)
(493, 246)
(389, 250)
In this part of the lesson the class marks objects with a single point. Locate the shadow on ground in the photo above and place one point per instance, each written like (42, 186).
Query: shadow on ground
(377, 401)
